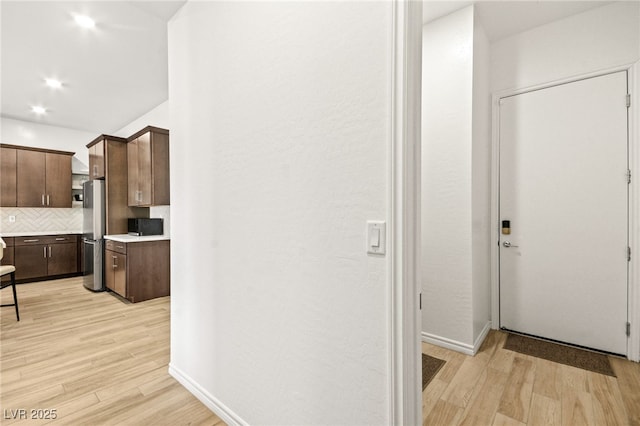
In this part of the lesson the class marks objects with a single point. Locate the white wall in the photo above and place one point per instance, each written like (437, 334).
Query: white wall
(481, 183)
(447, 69)
(595, 40)
(25, 133)
(280, 124)
(158, 117)
(456, 143)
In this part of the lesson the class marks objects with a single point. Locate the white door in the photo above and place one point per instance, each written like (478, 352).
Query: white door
(563, 187)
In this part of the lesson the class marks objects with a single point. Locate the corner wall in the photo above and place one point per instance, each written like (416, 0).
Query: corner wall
(456, 147)
(481, 185)
(280, 126)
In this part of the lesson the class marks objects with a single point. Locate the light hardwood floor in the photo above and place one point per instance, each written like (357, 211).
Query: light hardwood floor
(93, 358)
(98, 361)
(501, 387)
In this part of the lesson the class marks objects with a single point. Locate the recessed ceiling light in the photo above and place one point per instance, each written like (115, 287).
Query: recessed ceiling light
(84, 21)
(53, 83)
(39, 110)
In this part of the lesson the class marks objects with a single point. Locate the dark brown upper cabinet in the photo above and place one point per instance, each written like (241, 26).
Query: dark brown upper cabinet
(96, 160)
(8, 176)
(148, 167)
(110, 152)
(34, 177)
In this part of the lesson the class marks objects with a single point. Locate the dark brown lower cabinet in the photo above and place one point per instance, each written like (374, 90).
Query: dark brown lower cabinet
(31, 261)
(63, 259)
(115, 271)
(41, 257)
(138, 271)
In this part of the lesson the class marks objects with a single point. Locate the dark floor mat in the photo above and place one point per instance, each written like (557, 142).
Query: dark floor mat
(575, 357)
(430, 366)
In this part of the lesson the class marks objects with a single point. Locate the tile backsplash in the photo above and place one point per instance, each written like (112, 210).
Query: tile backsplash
(40, 220)
(59, 220)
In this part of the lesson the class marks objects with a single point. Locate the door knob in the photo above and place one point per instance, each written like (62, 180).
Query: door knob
(507, 244)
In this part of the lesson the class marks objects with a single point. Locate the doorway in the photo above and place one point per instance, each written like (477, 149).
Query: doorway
(563, 207)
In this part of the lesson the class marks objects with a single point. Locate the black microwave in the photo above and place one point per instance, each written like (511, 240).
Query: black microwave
(139, 226)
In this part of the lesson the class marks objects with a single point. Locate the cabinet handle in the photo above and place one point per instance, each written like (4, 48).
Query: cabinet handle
(44, 252)
(42, 200)
(115, 261)
(49, 251)
(120, 247)
(60, 239)
(48, 203)
(30, 241)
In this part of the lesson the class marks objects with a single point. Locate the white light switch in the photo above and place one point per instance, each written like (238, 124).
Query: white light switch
(376, 237)
(12, 218)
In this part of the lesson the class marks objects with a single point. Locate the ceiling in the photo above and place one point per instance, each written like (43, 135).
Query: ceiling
(501, 19)
(117, 71)
(110, 74)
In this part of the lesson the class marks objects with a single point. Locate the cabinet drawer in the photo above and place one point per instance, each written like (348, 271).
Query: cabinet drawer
(116, 246)
(46, 239)
(31, 241)
(59, 239)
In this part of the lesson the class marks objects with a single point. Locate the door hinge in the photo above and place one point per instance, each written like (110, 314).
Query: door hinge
(420, 301)
(628, 100)
(628, 254)
(628, 329)
(628, 175)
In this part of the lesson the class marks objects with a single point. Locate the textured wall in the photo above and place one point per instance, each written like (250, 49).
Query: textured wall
(280, 124)
(447, 69)
(158, 116)
(24, 133)
(481, 182)
(595, 40)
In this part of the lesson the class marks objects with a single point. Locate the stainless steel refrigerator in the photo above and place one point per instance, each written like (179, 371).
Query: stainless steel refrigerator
(93, 203)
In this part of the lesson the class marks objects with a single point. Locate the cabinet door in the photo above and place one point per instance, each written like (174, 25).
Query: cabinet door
(63, 259)
(120, 275)
(58, 180)
(109, 269)
(132, 172)
(144, 169)
(115, 269)
(31, 166)
(7, 177)
(96, 161)
(31, 261)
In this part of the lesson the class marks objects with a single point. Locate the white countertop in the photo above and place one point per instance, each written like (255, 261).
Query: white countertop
(36, 233)
(126, 238)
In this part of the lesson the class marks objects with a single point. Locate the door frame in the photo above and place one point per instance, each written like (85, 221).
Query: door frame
(633, 304)
(403, 212)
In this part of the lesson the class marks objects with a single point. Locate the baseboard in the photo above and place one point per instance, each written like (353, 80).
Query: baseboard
(221, 410)
(481, 337)
(454, 345)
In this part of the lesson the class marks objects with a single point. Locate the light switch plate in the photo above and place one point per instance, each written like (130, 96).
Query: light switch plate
(376, 237)
(12, 218)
